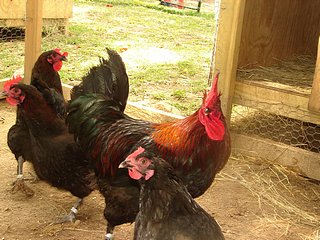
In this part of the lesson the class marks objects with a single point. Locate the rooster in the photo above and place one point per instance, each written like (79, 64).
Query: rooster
(166, 209)
(197, 147)
(55, 156)
(46, 79)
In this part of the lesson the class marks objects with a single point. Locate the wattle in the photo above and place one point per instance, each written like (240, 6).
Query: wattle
(57, 66)
(214, 126)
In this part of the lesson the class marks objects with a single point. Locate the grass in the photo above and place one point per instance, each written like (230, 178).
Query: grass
(183, 37)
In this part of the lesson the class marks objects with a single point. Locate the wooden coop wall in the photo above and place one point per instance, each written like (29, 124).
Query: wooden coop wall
(13, 12)
(278, 29)
(254, 34)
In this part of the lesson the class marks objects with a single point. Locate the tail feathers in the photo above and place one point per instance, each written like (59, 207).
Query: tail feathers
(108, 78)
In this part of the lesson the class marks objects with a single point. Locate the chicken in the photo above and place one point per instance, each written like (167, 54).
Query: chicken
(46, 79)
(197, 147)
(55, 156)
(166, 209)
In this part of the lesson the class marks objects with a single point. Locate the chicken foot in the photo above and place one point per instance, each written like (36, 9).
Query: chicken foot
(71, 216)
(19, 184)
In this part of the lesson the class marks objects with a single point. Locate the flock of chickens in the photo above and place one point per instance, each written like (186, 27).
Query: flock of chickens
(148, 173)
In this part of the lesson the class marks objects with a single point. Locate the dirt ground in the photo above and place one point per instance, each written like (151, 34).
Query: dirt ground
(250, 199)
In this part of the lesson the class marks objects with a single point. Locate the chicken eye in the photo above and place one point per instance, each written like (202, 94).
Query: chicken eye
(207, 111)
(143, 160)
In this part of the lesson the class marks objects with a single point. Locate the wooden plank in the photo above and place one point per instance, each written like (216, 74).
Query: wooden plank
(274, 100)
(12, 22)
(57, 8)
(12, 9)
(278, 29)
(33, 36)
(301, 161)
(51, 9)
(314, 101)
(227, 45)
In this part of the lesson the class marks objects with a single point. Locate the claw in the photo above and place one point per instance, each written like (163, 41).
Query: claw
(71, 217)
(20, 185)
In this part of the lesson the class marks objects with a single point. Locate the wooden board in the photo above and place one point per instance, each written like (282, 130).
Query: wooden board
(227, 45)
(301, 161)
(274, 100)
(16, 9)
(33, 36)
(278, 29)
(314, 101)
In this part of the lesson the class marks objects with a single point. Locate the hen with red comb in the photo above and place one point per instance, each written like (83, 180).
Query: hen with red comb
(47, 81)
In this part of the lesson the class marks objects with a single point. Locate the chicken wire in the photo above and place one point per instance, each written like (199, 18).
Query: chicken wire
(12, 40)
(295, 75)
(278, 128)
(11, 33)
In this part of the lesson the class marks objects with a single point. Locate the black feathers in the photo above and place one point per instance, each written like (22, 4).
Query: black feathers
(109, 78)
(167, 210)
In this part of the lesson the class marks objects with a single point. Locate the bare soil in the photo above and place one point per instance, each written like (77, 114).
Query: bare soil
(238, 200)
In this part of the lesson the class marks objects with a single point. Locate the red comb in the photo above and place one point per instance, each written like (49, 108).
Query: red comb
(213, 93)
(58, 50)
(136, 152)
(13, 81)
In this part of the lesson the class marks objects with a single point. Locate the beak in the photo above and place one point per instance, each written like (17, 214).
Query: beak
(64, 58)
(3, 94)
(125, 164)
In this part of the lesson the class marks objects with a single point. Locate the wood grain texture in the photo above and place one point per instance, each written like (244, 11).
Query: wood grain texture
(278, 29)
(314, 101)
(301, 161)
(274, 100)
(227, 50)
(16, 9)
(33, 36)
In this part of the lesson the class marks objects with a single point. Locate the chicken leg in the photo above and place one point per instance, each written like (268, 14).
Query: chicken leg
(71, 217)
(19, 184)
(109, 234)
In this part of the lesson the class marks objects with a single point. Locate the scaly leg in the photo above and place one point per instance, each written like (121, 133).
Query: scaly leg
(71, 217)
(19, 184)
(109, 234)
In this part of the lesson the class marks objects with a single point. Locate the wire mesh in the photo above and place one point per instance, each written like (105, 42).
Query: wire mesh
(278, 128)
(12, 45)
(294, 75)
(12, 40)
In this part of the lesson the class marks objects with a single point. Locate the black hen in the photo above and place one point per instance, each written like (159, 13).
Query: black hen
(46, 79)
(166, 209)
(55, 156)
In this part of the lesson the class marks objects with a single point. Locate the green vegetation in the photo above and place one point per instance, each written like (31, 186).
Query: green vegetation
(168, 56)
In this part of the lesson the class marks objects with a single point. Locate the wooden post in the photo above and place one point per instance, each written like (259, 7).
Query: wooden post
(314, 100)
(227, 49)
(33, 36)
